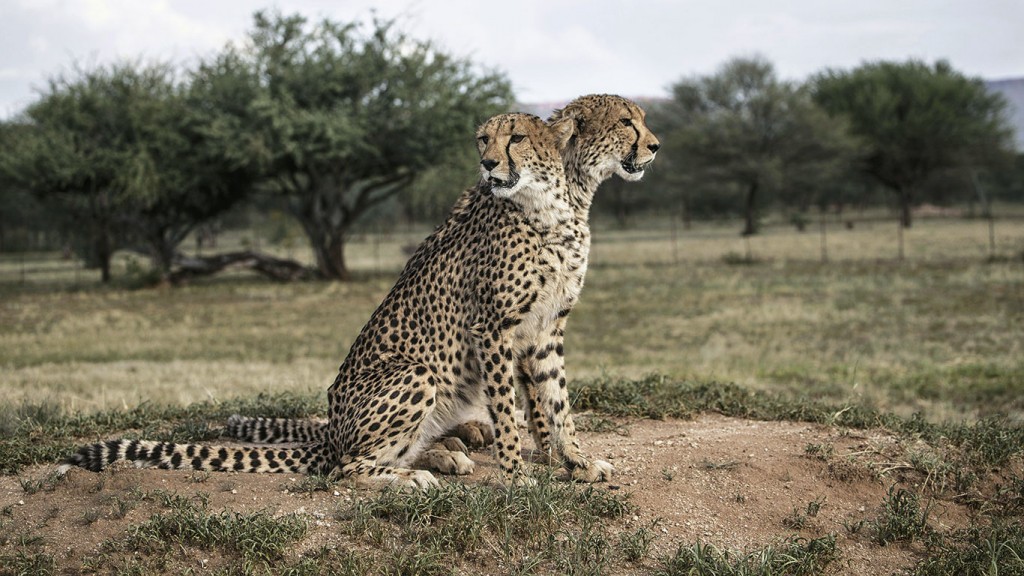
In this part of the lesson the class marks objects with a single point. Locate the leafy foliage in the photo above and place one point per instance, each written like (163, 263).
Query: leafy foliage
(747, 132)
(347, 120)
(120, 150)
(916, 119)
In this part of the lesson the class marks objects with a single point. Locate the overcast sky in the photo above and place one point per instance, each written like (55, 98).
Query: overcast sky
(551, 49)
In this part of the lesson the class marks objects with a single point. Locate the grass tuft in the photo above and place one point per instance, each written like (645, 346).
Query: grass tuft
(259, 538)
(561, 525)
(792, 557)
(310, 484)
(981, 551)
(23, 563)
(636, 545)
(901, 519)
(800, 519)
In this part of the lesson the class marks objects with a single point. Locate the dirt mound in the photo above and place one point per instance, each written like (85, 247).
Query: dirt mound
(735, 483)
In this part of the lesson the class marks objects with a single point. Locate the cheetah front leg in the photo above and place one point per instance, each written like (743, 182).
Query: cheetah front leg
(548, 408)
(494, 358)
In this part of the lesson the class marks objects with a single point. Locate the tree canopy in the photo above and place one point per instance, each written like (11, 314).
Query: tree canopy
(349, 119)
(915, 120)
(335, 117)
(120, 150)
(743, 128)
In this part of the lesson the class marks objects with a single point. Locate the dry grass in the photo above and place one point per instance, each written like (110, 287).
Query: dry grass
(942, 332)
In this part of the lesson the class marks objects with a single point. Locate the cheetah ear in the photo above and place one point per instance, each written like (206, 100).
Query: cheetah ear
(577, 110)
(564, 130)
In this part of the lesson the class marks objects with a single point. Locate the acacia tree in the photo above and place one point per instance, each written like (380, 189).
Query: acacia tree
(744, 127)
(68, 153)
(349, 120)
(122, 150)
(916, 119)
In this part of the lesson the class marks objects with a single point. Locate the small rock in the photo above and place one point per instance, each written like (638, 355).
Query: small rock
(336, 493)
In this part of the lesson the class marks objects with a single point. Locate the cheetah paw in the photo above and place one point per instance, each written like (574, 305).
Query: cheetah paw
(451, 444)
(523, 480)
(416, 480)
(474, 434)
(447, 462)
(596, 471)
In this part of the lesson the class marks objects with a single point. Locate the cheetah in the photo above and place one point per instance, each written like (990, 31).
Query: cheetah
(468, 307)
(610, 137)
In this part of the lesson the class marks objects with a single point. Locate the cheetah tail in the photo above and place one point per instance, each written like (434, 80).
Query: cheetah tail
(309, 459)
(274, 430)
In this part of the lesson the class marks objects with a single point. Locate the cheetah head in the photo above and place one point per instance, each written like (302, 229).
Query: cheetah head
(519, 153)
(610, 137)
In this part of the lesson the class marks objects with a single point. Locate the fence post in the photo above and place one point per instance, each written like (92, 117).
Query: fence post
(824, 244)
(899, 236)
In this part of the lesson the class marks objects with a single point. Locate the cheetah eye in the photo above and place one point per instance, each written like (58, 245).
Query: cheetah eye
(516, 138)
(626, 122)
(483, 139)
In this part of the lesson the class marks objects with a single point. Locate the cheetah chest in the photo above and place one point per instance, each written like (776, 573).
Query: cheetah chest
(562, 266)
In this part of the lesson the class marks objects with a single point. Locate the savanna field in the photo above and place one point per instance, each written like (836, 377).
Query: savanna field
(768, 411)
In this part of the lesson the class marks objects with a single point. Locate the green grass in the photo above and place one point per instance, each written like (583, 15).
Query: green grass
(792, 557)
(992, 550)
(552, 524)
(902, 518)
(258, 539)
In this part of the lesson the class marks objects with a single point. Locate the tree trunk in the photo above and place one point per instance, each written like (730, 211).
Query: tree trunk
(330, 255)
(102, 253)
(906, 199)
(162, 253)
(163, 246)
(327, 207)
(102, 235)
(750, 228)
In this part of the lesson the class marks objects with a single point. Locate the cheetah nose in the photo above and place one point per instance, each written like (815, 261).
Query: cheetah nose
(654, 147)
(488, 164)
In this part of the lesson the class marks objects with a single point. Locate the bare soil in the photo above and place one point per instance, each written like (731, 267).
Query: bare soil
(726, 481)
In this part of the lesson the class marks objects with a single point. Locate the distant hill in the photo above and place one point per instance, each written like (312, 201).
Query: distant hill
(1013, 90)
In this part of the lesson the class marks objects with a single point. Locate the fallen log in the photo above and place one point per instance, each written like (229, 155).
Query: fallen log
(283, 270)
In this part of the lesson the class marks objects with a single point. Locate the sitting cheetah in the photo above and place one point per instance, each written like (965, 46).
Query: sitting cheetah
(609, 137)
(470, 303)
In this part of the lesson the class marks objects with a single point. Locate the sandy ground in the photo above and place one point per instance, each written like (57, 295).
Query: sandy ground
(726, 481)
